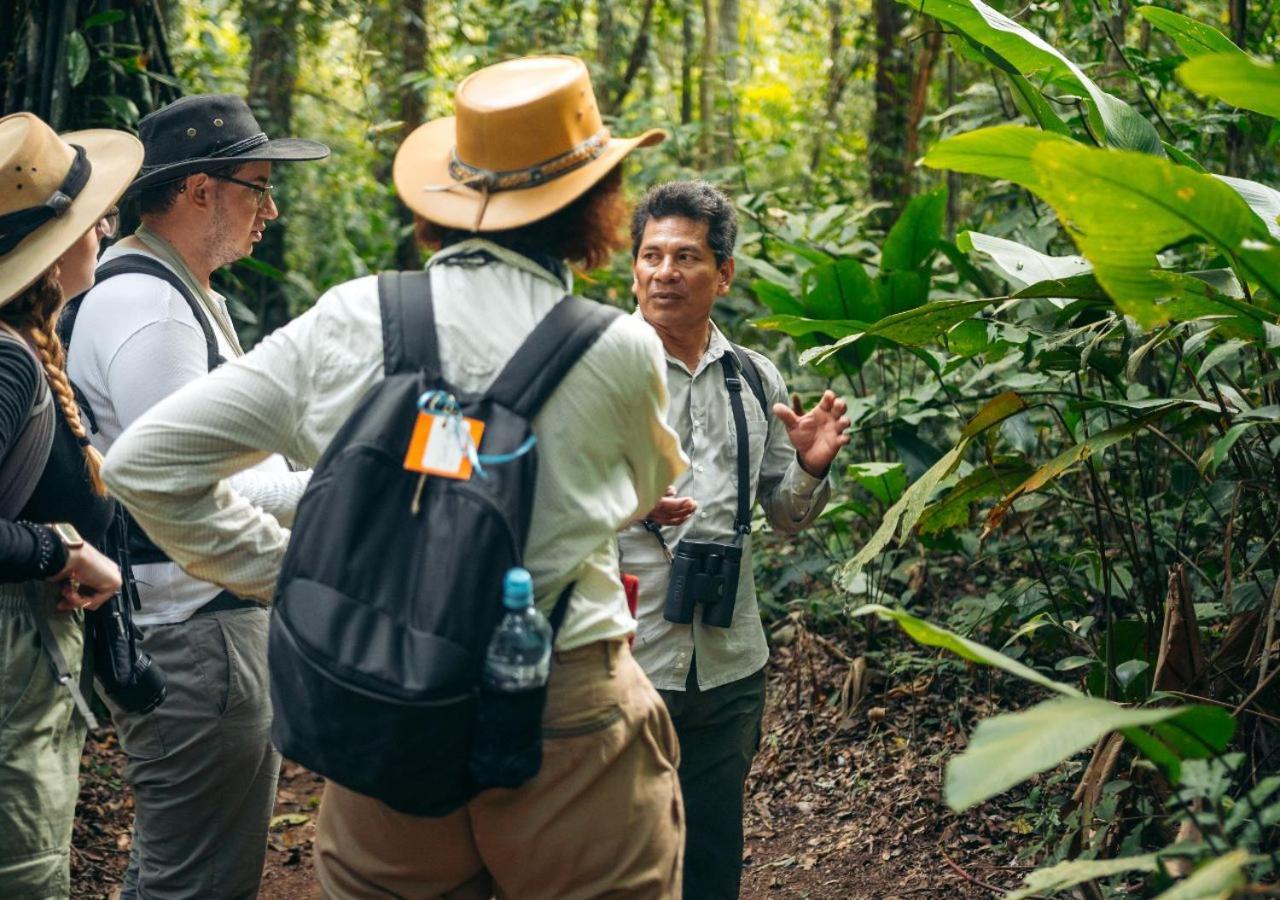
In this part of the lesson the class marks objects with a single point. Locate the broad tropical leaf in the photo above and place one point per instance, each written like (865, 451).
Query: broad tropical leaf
(1020, 265)
(1215, 880)
(931, 635)
(913, 239)
(1103, 195)
(983, 483)
(1077, 871)
(1263, 200)
(1120, 123)
(1193, 38)
(1235, 79)
(1010, 748)
(1001, 151)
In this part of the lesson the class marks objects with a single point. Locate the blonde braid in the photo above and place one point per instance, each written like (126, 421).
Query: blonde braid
(34, 313)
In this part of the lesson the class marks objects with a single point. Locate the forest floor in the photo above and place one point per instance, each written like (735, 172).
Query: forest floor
(844, 801)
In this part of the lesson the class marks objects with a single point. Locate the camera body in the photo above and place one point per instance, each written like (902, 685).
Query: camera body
(703, 572)
(125, 672)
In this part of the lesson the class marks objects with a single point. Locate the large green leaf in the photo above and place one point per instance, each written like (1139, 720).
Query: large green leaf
(1263, 200)
(912, 240)
(1123, 207)
(841, 290)
(1077, 871)
(983, 483)
(1193, 38)
(1001, 151)
(1120, 124)
(77, 55)
(1010, 748)
(1019, 264)
(1216, 880)
(1236, 79)
(931, 635)
(903, 515)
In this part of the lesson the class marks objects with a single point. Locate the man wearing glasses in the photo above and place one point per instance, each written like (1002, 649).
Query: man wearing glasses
(201, 765)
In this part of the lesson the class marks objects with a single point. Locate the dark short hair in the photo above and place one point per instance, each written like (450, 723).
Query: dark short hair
(695, 200)
(157, 199)
(587, 231)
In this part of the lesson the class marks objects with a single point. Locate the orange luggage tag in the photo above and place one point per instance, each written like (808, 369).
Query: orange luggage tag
(443, 442)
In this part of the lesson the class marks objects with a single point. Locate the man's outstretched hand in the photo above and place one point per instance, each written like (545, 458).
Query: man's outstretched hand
(818, 434)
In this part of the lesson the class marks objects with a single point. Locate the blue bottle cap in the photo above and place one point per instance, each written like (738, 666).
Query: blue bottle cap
(517, 589)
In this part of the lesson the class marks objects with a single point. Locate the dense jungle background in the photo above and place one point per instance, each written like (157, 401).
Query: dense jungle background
(1032, 645)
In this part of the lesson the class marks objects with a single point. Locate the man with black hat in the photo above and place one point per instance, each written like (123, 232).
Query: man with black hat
(201, 766)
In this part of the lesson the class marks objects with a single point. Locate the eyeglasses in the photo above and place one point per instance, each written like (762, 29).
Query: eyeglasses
(262, 190)
(109, 225)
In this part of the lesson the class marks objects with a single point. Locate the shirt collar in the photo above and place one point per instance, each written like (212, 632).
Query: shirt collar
(561, 278)
(717, 346)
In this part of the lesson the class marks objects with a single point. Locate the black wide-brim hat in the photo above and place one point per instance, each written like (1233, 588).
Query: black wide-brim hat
(200, 132)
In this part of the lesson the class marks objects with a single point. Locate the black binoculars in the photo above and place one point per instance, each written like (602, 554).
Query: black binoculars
(703, 572)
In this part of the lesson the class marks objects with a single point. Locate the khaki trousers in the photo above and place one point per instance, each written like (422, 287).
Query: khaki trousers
(41, 736)
(602, 818)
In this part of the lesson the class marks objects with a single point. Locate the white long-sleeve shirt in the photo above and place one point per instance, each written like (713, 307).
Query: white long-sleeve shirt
(605, 452)
(136, 341)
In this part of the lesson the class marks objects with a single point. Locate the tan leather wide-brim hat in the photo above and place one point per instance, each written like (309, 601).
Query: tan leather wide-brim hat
(526, 140)
(51, 194)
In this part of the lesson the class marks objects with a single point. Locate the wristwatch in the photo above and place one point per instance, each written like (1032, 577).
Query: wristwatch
(67, 533)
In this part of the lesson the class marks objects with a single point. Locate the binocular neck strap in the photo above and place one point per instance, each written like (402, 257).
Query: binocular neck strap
(61, 671)
(733, 381)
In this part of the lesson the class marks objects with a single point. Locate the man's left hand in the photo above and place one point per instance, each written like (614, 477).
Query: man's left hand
(818, 434)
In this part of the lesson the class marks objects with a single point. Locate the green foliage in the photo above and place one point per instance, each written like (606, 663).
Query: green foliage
(1235, 79)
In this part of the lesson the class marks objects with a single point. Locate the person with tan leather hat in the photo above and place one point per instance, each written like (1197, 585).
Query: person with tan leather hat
(523, 179)
(57, 199)
(201, 766)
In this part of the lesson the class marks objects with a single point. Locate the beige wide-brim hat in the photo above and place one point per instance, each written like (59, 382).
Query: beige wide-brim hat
(34, 167)
(526, 140)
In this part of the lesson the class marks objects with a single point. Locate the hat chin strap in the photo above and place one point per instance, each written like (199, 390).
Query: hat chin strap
(15, 227)
(491, 181)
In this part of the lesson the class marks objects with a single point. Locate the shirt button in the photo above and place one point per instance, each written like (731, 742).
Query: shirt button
(698, 467)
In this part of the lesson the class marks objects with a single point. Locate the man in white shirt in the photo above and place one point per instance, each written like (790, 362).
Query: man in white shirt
(702, 643)
(201, 765)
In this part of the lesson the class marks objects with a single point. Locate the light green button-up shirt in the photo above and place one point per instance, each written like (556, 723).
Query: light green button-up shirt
(605, 453)
(791, 498)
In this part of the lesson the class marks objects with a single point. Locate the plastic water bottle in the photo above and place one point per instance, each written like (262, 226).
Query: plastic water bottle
(507, 746)
(519, 656)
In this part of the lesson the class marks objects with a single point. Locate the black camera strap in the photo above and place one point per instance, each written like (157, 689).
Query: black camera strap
(732, 381)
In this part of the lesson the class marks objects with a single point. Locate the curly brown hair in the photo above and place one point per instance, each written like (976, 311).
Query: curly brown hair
(587, 231)
(33, 314)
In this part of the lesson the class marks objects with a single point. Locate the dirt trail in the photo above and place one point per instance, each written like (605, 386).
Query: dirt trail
(844, 801)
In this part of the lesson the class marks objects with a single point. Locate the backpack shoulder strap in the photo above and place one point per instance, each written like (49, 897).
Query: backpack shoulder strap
(408, 324)
(752, 375)
(138, 264)
(28, 453)
(549, 352)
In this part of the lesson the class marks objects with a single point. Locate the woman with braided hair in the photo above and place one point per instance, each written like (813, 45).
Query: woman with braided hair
(57, 197)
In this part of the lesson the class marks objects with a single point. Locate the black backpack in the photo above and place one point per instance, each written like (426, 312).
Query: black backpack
(382, 616)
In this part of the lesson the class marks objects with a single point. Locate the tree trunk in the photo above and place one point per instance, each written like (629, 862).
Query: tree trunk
(727, 21)
(272, 29)
(686, 63)
(635, 59)
(1237, 140)
(837, 81)
(413, 111)
(920, 90)
(706, 83)
(888, 138)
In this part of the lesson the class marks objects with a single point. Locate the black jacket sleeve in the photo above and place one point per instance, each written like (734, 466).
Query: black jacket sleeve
(26, 551)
